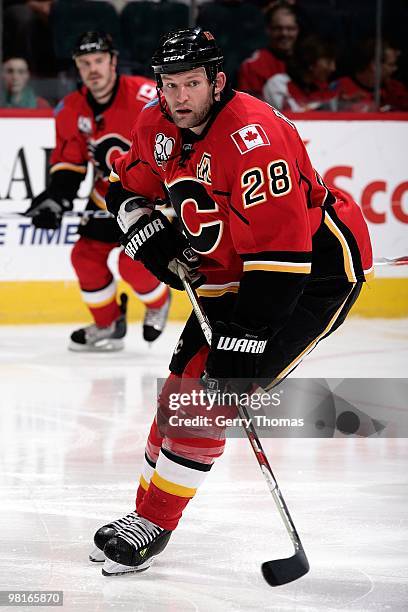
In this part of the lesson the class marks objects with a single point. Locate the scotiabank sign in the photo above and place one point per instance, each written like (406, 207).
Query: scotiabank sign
(394, 196)
(366, 158)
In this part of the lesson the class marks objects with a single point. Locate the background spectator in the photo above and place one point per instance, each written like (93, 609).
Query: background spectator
(356, 92)
(282, 29)
(16, 92)
(40, 30)
(28, 33)
(306, 84)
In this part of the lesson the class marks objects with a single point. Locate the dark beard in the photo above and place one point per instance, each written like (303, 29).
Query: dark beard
(203, 115)
(199, 118)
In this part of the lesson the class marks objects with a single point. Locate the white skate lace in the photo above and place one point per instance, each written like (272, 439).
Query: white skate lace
(140, 532)
(157, 317)
(125, 520)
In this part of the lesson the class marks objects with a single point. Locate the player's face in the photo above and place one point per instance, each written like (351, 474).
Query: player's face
(97, 71)
(283, 31)
(189, 97)
(15, 75)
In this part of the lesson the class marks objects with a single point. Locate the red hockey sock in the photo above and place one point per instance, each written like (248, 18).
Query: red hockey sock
(106, 314)
(140, 493)
(148, 289)
(163, 509)
(98, 287)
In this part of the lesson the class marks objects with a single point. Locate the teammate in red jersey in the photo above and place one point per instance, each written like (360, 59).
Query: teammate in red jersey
(93, 125)
(284, 257)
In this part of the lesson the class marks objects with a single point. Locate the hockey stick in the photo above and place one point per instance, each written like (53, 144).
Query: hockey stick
(388, 261)
(278, 571)
(94, 214)
(98, 214)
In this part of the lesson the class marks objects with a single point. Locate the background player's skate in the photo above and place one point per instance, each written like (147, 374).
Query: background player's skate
(99, 339)
(155, 320)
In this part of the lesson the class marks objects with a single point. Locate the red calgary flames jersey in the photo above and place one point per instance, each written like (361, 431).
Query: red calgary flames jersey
(87, 131)
(247, 195)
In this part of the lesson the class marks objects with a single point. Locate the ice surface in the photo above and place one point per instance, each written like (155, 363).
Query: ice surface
(73, 428)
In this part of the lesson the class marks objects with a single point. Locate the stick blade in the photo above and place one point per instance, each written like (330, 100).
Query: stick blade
(282, 571)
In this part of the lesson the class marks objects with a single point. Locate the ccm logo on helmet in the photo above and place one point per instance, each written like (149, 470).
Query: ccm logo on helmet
(242, 345)
(142, 235)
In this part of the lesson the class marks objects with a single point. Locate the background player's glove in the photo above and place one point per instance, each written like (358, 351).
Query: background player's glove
(46, 211)
(234, 357)
(154, 241)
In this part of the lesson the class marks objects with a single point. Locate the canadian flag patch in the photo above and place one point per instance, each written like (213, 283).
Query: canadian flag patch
(250, 137)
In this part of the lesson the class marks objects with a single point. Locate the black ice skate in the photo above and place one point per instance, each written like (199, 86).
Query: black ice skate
(134, 547)
(105, 533)
(155, 321)
(99, 339)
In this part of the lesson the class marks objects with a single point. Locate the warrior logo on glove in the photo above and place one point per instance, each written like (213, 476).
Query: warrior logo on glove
(235, 357)
(138, 238)
(242, 345)
(150, 238)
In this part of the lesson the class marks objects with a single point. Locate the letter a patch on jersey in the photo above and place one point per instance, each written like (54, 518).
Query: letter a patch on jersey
(250, 137)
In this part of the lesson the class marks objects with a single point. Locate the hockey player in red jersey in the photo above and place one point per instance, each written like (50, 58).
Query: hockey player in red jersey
(279, 256)
(94, 124)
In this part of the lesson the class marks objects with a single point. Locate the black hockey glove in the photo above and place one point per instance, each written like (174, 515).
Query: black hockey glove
(46, 211)
(152, 239)
(234, 357)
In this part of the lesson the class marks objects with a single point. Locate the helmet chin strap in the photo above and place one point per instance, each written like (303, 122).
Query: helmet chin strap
(163, 104)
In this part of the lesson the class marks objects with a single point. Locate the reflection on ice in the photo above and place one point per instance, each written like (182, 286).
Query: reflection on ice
(71, 439)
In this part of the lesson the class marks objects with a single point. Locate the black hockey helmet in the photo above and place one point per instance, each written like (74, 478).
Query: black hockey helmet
(93, 42)
(183, 50)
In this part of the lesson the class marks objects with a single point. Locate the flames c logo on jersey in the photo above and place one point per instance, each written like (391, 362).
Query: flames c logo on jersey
(105, 150)
(199, 214)
(204, 169)
(163, 147)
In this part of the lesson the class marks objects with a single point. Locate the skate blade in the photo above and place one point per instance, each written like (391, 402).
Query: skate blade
(97, 556)
(110, 568)
(104, 346)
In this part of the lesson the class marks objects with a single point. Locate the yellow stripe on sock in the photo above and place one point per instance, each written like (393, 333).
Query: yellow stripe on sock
(172, 487)
(143, 483)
